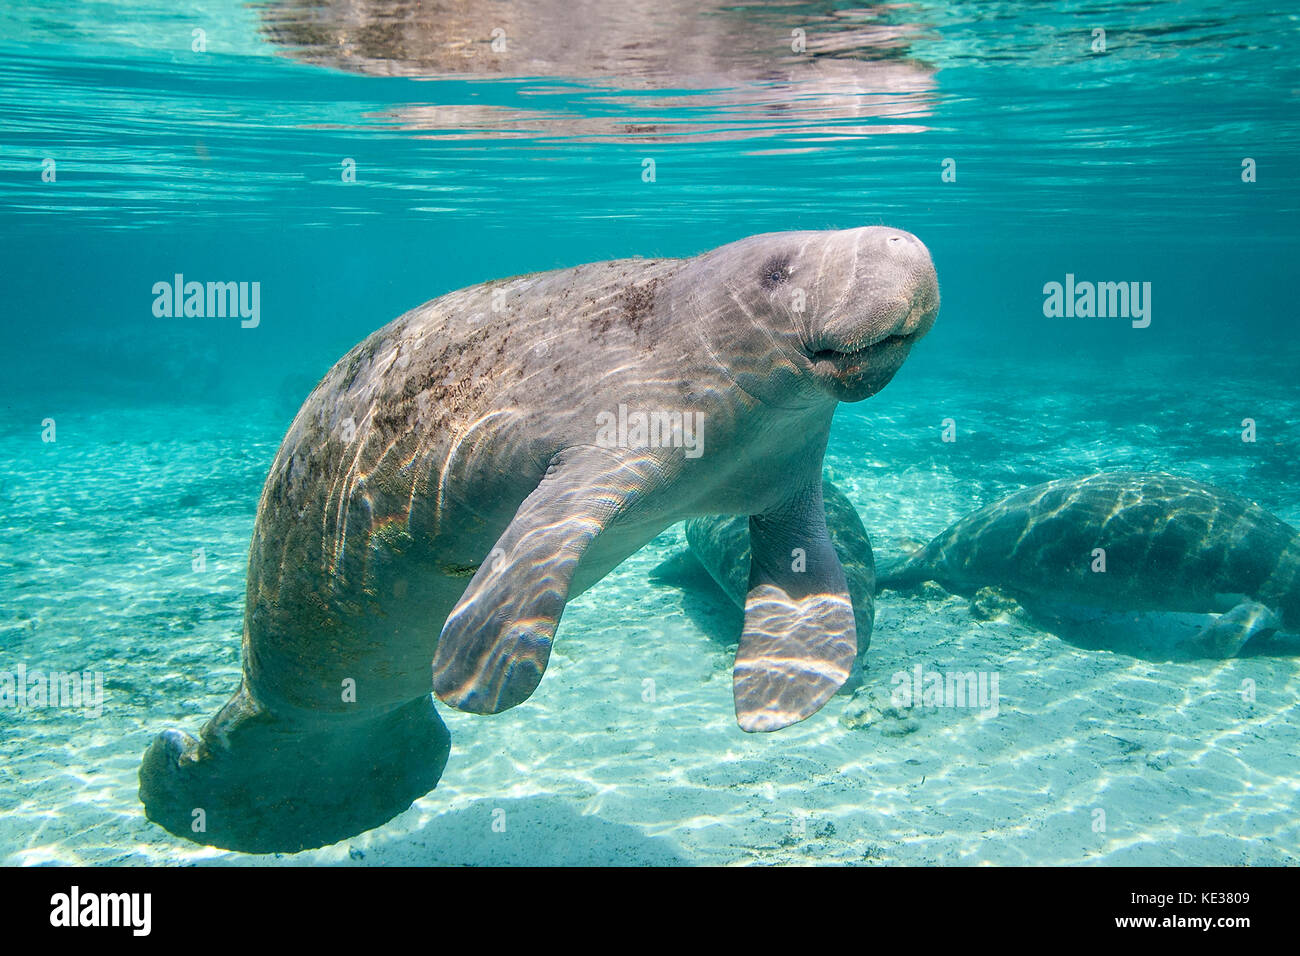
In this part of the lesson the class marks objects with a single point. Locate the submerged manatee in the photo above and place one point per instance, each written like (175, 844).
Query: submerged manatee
(468, 468)
(721, 544)
(1166, 544)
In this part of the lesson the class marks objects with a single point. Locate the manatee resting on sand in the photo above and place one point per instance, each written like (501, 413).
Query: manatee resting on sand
(1165, 544)
(721, 544)
(468, 468)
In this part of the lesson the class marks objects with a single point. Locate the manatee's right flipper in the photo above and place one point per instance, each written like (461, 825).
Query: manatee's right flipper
(800, 640)
(497, 640)
(1232, 631)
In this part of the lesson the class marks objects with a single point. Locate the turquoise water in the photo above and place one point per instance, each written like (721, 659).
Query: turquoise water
(230, 163)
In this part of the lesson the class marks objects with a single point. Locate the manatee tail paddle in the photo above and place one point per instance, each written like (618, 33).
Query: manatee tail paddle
(902, 571)
(259, 784)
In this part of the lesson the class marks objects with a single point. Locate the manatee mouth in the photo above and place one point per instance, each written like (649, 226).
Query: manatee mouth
(840, 355)
(852, 374)
(907, 325)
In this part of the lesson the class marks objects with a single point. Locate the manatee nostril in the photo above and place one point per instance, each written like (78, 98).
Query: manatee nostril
(901, 244)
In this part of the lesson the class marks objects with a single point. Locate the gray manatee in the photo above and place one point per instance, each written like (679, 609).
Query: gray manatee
(857, 72)
(1167, 543)
(468, 468)
(721, 544)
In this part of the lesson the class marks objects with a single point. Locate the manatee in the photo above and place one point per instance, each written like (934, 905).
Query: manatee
(721, 544)
(1166, 544)
(857, 76)
(465, 470)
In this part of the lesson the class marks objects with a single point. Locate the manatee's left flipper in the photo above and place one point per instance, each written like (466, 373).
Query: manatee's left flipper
(495, 644)
(1232, 631)
(799, 641)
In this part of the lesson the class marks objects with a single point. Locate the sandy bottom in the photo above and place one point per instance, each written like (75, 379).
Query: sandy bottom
(629, 752)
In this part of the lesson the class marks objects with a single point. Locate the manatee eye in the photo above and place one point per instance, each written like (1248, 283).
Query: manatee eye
(775, 272)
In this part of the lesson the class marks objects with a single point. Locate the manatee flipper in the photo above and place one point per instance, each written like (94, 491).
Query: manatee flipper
(1231, 632)
(799, 640)
(496, 642)
(720, 543)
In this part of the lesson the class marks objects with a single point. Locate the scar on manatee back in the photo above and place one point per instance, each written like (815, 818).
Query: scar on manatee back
(635, 302)
(364, 354)
(638, 300)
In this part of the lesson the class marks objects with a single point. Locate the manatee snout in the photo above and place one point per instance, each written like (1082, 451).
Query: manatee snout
(889, 301)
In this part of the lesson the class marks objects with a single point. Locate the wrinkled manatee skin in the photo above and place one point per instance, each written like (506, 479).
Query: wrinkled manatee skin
(721, 544)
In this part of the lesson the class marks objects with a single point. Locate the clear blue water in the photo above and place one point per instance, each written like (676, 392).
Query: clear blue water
(1122, 165)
